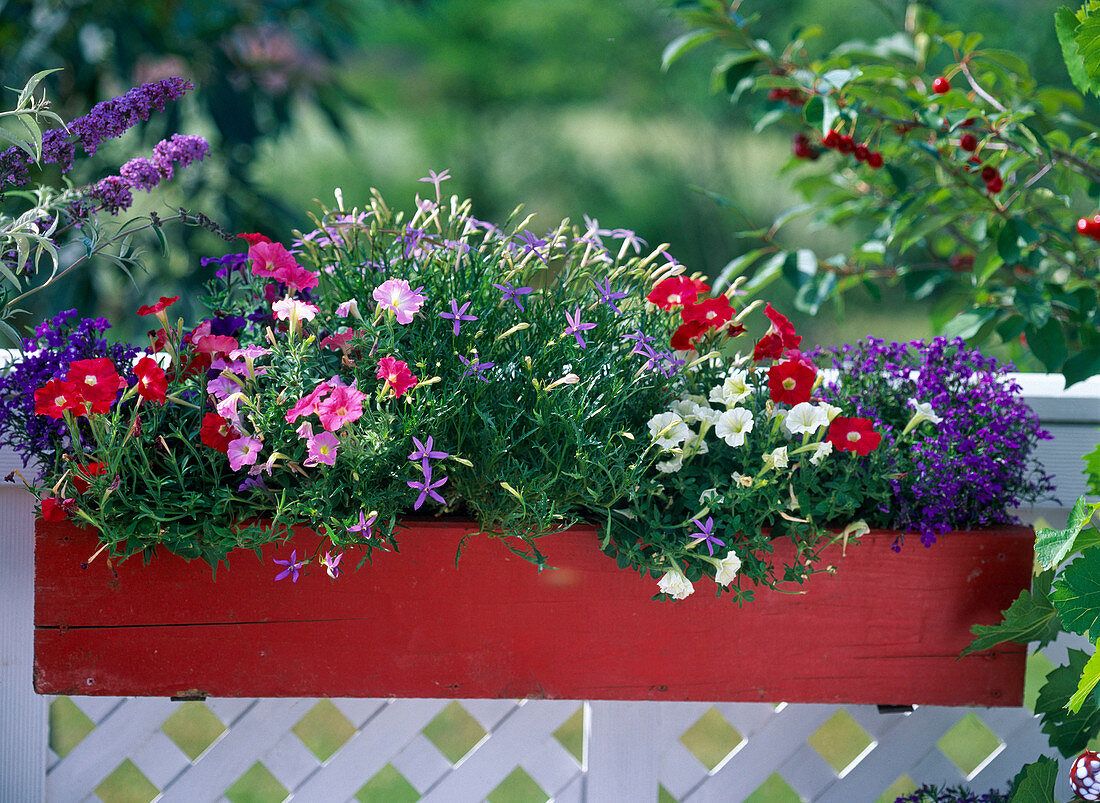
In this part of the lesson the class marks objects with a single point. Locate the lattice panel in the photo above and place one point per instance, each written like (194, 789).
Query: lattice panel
(333, 750)
(389, 751)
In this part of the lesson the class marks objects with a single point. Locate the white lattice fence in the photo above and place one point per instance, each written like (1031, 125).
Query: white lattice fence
(502, 751)
(393, 750)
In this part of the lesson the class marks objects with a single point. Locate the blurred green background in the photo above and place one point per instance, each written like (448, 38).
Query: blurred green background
(560, 106)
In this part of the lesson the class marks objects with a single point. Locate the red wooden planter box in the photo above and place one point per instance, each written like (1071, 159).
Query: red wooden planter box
(886, 629)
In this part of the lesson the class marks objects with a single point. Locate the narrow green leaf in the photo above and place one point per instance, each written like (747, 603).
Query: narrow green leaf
(684, 43)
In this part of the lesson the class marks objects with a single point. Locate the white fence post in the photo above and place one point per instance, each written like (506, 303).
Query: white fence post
(23, 714)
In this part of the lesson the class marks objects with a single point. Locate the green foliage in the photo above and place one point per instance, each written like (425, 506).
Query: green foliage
(1076, 595)
(999, 249)
(1069, 731)
(1035, 782)
(1031, 617)
(541, 436)
(1079, 36)
(1052, 546)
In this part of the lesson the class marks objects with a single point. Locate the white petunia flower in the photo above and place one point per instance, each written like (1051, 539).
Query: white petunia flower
(691, 412)
(733, 425)
(709, 495)
(671, 466)
(821, 451)
(732, 391)
(805, 419)
(675, 584)
(777, 458)
(728, 568)
(668, 430)
(831, 410)
(924, 412)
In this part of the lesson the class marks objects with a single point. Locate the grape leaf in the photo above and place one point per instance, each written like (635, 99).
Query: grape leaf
(1035, 782)
(1031, 617)
(1069, 731)
(1065, 24)
(1076, 595)
(1052, 546)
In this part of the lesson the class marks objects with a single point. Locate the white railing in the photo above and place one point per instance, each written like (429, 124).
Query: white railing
(622, 751)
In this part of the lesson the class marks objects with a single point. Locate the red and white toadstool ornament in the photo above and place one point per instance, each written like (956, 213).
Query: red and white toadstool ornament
(1084, 776)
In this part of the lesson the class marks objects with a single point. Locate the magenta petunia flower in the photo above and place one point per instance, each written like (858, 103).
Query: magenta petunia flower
(395, 295)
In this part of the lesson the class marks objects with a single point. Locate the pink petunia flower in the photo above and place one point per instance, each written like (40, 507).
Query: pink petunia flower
(343, 406)
(269, 258)
(307, 405)
(397, 374)
(243, 452)
(395, 295)
(322, 449)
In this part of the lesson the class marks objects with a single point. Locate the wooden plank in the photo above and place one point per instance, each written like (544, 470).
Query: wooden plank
(886, 629)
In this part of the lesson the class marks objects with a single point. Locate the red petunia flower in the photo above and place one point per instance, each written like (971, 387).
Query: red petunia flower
(159, 307)
(52, 510)
(82, 472)
(675, 291)
(55, 397)
(215, 344)
(683, 339)
(217, 432)
(252, 239)
(853, 435)
(791, 382)
(712, 312)
(97, 383)
(779, 337)
(397, 374)
(152, 383)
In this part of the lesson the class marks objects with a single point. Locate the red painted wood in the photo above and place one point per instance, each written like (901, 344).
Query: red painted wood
(886, 629)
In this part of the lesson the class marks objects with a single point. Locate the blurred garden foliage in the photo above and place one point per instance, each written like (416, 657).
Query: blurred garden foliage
(560, 106)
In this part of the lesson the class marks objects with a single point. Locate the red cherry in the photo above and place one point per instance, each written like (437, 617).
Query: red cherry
(802, 148)
(874, 160)
(777, 94)
(989, 173)
(1094, 227)
(861, 152)
(846, 144)
(831, 139)
(968, 142)
(1084, 226)
(941, 86)
(994, 186)
(969, 121)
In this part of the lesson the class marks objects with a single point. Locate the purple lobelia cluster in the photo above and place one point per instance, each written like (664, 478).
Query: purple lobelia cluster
(954, 794)
(972, 462)
(47, 355)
